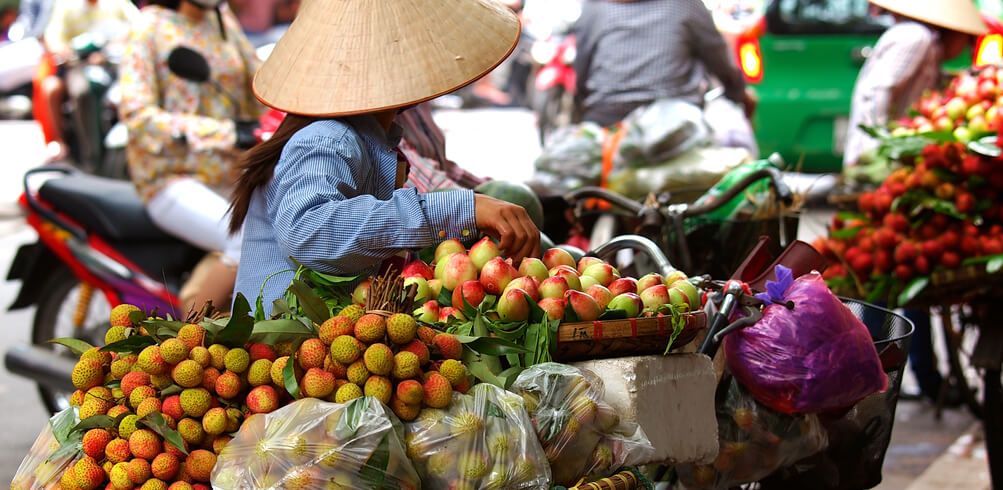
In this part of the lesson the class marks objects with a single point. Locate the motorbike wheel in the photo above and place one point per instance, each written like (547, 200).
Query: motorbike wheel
(54, 318)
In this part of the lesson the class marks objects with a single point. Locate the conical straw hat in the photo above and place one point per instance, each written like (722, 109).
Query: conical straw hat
(956, 15)
(343, 57)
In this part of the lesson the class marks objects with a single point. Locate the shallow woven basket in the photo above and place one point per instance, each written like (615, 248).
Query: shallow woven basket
(624, 480)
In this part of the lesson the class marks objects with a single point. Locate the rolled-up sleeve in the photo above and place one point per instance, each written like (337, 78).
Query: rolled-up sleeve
(325, 222)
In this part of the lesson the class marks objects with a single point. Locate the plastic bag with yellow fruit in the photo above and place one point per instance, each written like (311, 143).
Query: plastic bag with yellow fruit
(484, 440)
(582, 436)
(316, 444)
(53, 452)
(754, 442)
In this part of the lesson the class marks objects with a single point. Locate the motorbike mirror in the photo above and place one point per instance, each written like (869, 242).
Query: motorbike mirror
(188, 64)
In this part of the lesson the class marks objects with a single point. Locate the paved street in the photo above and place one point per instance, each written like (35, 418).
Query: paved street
(498, 143)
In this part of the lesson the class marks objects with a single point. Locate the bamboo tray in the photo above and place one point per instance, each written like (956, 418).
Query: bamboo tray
(618, 338)
(625, 480)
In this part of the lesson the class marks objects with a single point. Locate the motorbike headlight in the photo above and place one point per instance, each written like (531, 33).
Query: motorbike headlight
(542, 52)
(569, 55)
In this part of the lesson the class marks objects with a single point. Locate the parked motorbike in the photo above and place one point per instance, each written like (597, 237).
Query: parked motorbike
(95, 138)
(554, 83)
(96, 247)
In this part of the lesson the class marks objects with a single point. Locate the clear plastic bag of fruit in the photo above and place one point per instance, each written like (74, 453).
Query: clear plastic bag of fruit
(484, 440)
(44, 465)
(661, 131)
(572, 156)
(582, 436)
(316, 444)
(754, 442)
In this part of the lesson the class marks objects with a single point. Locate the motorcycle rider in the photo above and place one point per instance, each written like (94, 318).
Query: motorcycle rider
(185, 137)
(70, 18)
(327, 188)
(631, 53)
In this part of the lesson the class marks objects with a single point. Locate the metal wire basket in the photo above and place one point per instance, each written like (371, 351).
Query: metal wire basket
(859, 438)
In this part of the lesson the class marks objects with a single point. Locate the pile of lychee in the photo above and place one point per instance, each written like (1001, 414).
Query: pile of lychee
(937, 210)
(563, 288)
(203, 392)
(392, 359)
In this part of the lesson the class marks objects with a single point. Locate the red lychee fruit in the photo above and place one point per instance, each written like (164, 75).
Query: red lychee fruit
(449, 346)
(95, 441)
(259, 350)
(906, 252)
(262, 399)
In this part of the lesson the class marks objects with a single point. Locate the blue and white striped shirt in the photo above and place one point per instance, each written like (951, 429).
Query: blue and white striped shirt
(333, 207)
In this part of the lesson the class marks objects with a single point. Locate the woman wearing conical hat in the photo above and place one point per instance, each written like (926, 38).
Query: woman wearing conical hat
(326, 190)
(906, 62)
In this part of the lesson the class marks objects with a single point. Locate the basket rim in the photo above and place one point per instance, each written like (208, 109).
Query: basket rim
(886, 311)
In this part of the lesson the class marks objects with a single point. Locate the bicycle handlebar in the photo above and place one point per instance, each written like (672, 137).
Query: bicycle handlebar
(775, 177)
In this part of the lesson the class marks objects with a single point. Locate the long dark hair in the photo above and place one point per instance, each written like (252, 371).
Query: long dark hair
(257, 166)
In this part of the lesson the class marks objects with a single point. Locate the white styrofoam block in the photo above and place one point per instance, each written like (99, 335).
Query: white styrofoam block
(670, 397)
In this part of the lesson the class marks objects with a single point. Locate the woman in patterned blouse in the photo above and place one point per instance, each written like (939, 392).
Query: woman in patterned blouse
(184, 136)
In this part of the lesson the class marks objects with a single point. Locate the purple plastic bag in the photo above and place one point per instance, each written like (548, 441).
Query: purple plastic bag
(815, 358)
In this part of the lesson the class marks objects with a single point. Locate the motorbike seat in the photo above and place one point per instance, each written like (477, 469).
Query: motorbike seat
(109, 208)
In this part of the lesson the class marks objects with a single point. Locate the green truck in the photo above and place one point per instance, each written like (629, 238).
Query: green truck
(801, 57)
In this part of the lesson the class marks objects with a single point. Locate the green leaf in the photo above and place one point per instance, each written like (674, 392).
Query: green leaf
(348, 424)
(155, 421)
(614, 315)
(259, 308)
(238, 330)
(69, 449)
(994, 265)
(986, 146)
(310, 304)
(157, 325)
(845, 233)
(510, 375)
(329, 280)
(445, 298)
(492, 346)
(880, 290)
(76, 346)
(915, 287)
(481, 371)
(132, 344)
(137, 317)
(678, 324)
(280, 307)
(94, 422)
(274, 331)
(62, 424)
(374, 472)
(289, 378)
(850, 215)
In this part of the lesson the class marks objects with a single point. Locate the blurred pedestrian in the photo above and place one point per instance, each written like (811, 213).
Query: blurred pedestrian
(184, 137)
(631, 53)
(70, 18)
(904, 63)
(257, 17)
(33, 16)
(327, 190)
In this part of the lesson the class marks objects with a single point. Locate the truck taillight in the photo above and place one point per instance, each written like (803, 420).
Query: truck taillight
(989, 50)
(750, 59)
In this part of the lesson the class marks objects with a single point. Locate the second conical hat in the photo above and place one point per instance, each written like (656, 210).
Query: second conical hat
(343, 57)
(956, 15)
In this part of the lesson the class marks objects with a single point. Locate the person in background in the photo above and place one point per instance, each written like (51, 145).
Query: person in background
(424, 145)
(185, 137)
(257, 17)
(33, 16)
(906, 62)
(631, 53)
(70, 18)
(327, 190)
